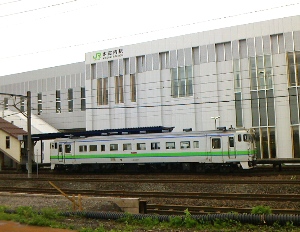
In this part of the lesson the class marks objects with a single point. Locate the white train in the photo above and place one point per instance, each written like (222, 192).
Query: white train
(186, 150)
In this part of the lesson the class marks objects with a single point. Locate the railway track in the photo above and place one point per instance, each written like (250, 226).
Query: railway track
(143, 195)
(195, 210)
(156, 180)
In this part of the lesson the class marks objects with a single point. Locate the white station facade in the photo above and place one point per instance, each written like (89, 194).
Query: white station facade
(245, 76)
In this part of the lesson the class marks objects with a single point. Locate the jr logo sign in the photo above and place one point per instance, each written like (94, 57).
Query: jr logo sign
(97, 56)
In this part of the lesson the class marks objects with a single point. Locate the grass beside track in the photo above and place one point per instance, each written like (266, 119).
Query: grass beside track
(51, 218)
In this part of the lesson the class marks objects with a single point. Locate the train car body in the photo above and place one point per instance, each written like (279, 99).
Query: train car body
(187, 149)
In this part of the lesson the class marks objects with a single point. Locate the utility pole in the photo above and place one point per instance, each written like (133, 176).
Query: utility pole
(28, 116)
(29, 142)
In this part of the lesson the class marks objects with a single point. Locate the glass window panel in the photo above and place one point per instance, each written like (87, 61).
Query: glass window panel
(261, 79)
(141, 146)
(291, 69)
(271, 108)
(127, 146)
(238, 109)
(216, 143)
(262, 108)
(155, 146)
(174, 82)
(268, 63)
(260, 62)
(196, 144)
(170, 145)
(293, 106)
(189, 77)
(185, 144)
(254, 108)
(93, 147)
(257, 143)
(181, 79)
(133, 88)
(272, 142)
(253, 73)
(269, 78)
(296, 145)
(113, 147)
(264, 143)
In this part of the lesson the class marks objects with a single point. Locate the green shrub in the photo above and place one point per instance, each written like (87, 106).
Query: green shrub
(261, 209)
(176, 221)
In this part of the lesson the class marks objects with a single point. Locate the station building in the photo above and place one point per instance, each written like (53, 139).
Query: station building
(244, 76)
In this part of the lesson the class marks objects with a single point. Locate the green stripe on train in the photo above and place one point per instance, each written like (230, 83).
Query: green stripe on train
(144, 155)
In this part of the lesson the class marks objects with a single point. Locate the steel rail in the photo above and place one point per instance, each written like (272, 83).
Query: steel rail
(179, 181)
(195, 210)
(186, 195)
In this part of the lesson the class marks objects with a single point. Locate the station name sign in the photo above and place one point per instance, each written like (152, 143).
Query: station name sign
(107, 55)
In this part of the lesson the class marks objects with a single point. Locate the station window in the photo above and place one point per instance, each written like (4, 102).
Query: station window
(170, 145)
(70, 100)
(141, 146)
(185, 144)
(40, 103)
(113, 147)
(196, 144)
(216, 143)
(82, 148)
(155, 146)
(127, 146)
(93, 148)
(58, 102)
(7, 142)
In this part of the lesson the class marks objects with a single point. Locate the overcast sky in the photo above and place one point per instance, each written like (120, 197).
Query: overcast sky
(38, 34)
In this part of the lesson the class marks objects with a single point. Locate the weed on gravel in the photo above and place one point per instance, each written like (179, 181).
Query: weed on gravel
(51, 218)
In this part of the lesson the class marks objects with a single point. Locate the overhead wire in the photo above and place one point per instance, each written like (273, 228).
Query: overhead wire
(140, 33)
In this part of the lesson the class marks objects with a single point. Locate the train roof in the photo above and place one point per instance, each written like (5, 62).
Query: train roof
(105, 132)
(156, 135)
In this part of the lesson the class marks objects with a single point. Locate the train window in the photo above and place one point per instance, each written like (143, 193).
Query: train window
(239, 137)
(155, 146)
(82, 148)
(102, 147)
(93, 148)
(216, 143)
(60, 148)
(55, 145)
(196, 144)
(51, 145)
(247, 138)
(185, 144)
(68, 148)
(170, 145)
(113, 147)
(127, 146)
(141, 146)
(231, 141)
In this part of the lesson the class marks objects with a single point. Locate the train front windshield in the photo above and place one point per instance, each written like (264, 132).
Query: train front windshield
(248, 138)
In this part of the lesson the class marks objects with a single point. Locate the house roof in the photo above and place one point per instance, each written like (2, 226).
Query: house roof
(11, 129)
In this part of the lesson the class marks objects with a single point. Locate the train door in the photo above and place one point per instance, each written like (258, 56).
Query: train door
(61, 156)
(63, 150)
(216, 149)
(231, 147)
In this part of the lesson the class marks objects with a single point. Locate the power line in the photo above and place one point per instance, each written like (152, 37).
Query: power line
(37, 9)
(6, 3)
(140, 33)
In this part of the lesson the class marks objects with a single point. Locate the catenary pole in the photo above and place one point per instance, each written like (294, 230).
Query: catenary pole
(29, 142)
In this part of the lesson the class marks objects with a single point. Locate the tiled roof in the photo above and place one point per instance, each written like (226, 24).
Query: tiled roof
(11, 129)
